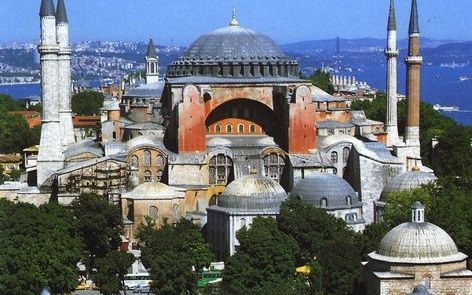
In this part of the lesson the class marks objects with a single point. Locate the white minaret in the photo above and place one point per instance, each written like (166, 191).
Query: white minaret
(65, 112)
(152, 63)
(391, 53)
(50, 156)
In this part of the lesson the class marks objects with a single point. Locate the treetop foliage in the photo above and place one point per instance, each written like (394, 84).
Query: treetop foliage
(87, 103)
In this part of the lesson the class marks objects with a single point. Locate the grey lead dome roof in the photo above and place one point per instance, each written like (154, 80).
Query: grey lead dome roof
(417, 243)
(317, 186)
(406, 181)
(253, 193)
(234, 52)
(420, 290)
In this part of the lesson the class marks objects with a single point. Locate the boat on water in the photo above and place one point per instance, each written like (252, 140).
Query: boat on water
(441, 108)
(464, 78)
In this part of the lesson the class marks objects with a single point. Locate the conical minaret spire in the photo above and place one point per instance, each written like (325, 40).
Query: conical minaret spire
(152, 63)
(61, 13)
(391, 53)
(47, 8)
(413, 63)
(151, 49)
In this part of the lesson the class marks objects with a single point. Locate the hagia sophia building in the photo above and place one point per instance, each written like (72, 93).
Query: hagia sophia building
(227, 134)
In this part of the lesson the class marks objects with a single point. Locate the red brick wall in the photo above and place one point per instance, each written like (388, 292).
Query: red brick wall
(301, 127)
(191, 118)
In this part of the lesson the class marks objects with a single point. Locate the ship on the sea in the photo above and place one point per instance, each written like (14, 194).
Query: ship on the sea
(441, 108)
(464, 78)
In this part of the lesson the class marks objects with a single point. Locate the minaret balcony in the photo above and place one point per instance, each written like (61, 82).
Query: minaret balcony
(414, 60)
(391, 52)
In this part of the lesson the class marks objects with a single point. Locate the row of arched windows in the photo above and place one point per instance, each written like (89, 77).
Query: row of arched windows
(274, 166)
(160, 161)
(324, 202)
(335, 158)
(230, 129)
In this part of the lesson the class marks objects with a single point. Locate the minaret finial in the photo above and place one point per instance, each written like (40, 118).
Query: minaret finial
(234, 22)
(392, 22)
(414, 23)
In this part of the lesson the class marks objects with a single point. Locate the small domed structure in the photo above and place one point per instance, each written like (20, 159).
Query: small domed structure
(406, 181)
(417, 242)
(326, 190)
(331, 192)
(253, 192)
(420, 290)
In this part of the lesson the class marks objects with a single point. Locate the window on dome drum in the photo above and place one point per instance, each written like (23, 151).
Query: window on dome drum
(229, 128)
(324, 203)
(346, 152)
(147, 158)
(334, 157)
(274, 166)
(147, 176)
(241, 128)
(350, 217)
(243, 222)
(218, 129)
(252, 128)
(134, 161)
(349, 201)
(160, 161)
(335, 171)
(220, 169)
(153, 212)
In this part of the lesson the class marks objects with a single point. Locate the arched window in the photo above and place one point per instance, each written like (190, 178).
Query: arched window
(229, 128)
(334, 157)
(243, 222)
(147, 158)
(147, 176)
(160, 161)
(153, 68)
(346, 152)
(220, 169)
(218, 129)
(335, 171)
(159, 175)
(153, 212)
(324, 203)
(252, 128)
(134, 161)
(241, 128)
(274, 166)
(350, 217)
(348, 201)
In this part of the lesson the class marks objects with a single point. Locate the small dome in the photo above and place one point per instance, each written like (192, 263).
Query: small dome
(253, 193)
(145, 140)
(154, 191)
(336, 192)
(406, 181)
(420, 290)
(417, 243)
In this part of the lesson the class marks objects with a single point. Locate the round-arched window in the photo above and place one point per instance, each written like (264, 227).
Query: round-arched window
(252, 128)
(147, 176)
(147, 158)
(229, 128)
(218, 129)
(324, 203)
(241, 128)
(153, 212)
(134, 161)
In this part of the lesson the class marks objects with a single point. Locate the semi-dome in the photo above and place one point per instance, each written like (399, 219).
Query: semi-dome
(406, 181)
(417, 242)
(236, 52)
(253, 192)
(326, 190)
(154, 191)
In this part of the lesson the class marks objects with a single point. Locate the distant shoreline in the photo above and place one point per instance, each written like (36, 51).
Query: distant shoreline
(20, 83)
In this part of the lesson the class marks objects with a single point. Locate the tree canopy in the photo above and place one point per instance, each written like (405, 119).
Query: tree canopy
(87, 103)
(99, 224)
(172, 253)
(265, 260)
(111, 271)
(40, 249)
(322, 80)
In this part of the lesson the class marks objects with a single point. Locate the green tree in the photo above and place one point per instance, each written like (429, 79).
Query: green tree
(2, 176)
(111, 271)
(317, 234)
(99, 224)
(322, 80)
(15, 135)
(452, 156)
(7, 103)
(371, 237)
(146, 229)
(171, 254)
(264, 262)
(398, 207)
(40, 248)
(87, 103)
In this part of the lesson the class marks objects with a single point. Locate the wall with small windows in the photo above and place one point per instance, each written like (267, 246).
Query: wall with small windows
(147, 164)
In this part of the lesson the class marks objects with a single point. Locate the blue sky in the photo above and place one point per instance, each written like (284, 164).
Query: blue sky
(182, 21)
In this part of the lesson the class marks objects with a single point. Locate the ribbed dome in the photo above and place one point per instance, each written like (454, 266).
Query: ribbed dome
(406, 181)
(235, 52)
(253, 192)
(417, 243)
(318, 186)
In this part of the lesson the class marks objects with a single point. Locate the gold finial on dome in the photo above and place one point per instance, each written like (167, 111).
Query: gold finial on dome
(234, 22)
(415, 168)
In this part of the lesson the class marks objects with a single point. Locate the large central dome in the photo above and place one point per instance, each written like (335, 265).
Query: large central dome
(234, 52)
